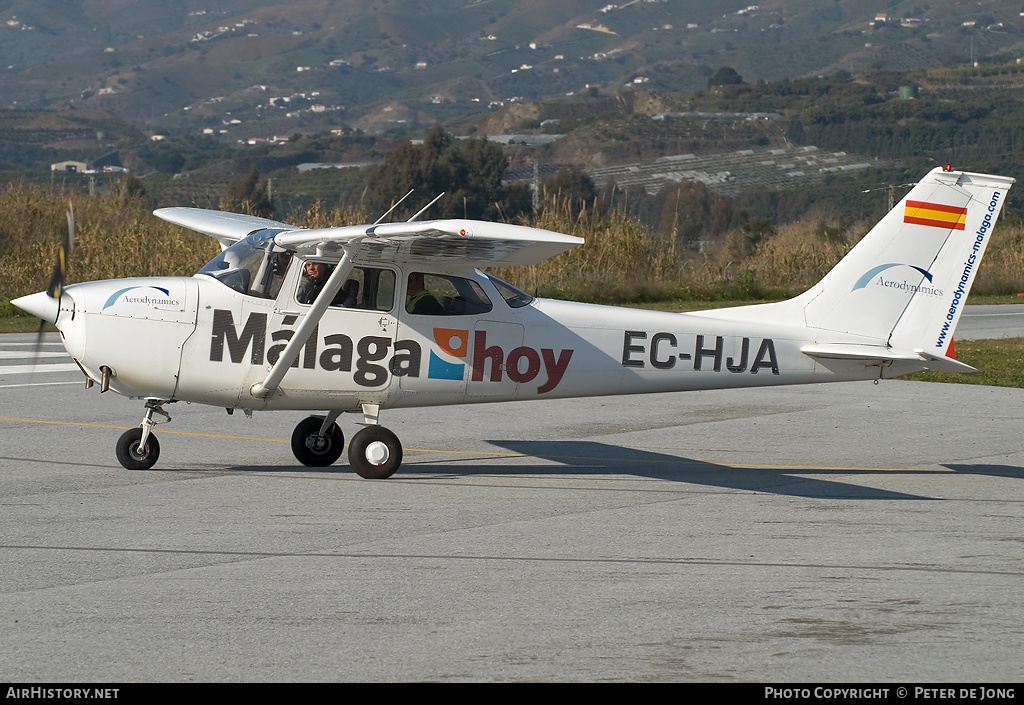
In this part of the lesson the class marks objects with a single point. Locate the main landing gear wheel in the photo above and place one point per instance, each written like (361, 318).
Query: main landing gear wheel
(314, 450)
(375, 453)
(133, 457)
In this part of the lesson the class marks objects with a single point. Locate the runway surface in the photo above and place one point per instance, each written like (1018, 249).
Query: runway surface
(844, 533)
(991, 321)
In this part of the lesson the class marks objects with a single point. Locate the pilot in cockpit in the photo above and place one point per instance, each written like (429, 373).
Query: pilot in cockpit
(314, 278)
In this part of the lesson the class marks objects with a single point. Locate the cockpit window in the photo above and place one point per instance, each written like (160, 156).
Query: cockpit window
(514, 297)
(366, 288)
(444, 295)
(252, 266)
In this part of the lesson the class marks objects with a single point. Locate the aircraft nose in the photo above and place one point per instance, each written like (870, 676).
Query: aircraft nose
(40, 305)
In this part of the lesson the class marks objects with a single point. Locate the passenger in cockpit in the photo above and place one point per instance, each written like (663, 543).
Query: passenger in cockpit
(419, 299)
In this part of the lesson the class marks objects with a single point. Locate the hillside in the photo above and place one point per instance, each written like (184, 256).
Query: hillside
(258, 68)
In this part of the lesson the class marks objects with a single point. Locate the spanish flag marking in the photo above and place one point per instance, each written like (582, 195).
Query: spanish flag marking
(934, 215)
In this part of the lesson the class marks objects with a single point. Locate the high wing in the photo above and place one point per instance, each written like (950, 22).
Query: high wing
(472, 242)
(225, 228)
(467, 242)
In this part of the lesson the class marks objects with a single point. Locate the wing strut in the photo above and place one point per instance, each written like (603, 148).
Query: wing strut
(262, 390)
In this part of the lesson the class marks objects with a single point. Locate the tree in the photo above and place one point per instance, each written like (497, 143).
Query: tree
(725, 76)
(468, 172)
(570, 185)
(168, 161)
(247, 195)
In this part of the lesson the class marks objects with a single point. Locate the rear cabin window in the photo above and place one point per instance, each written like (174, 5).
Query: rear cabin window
(444, 295)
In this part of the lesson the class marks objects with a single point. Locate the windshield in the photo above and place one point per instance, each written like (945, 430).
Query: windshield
(252, 266)
(514, 297)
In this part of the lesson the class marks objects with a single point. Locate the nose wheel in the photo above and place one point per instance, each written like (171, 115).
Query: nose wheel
(134, 454)
(137, 448)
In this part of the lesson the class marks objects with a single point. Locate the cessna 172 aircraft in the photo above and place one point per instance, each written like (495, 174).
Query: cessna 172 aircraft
(371, 317)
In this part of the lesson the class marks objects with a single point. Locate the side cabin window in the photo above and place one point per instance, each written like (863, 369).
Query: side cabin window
(365, 288)
(444, 295)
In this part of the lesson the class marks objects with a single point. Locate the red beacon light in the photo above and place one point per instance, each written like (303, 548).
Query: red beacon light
(948, 167)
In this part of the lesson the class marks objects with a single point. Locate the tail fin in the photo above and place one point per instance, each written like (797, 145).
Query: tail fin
(904, 285)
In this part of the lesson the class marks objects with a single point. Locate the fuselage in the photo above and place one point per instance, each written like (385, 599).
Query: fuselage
(201, 339)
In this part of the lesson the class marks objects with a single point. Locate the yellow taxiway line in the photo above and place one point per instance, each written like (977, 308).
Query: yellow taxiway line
(512, 455)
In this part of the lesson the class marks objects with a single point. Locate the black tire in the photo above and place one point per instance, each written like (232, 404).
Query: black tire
(375, 453)
(314, 450)
(131, 456)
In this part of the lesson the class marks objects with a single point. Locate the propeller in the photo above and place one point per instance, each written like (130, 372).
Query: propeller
(56, 286)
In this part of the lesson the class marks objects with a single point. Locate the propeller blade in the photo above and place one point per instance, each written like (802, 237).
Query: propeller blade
(39, 343)
(70, 242)
(60, 267)
(56, 285)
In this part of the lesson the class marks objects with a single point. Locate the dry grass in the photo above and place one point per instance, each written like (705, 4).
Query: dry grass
(116, 236)
(621, 260)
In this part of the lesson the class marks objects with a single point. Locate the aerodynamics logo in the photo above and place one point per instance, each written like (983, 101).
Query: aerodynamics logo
(904, 285)
(154, 300)
(935, 215)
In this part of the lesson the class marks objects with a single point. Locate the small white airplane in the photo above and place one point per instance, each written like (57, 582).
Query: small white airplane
(370, 317)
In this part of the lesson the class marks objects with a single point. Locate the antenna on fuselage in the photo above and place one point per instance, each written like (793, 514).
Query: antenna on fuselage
(425, 208)
(377, 222)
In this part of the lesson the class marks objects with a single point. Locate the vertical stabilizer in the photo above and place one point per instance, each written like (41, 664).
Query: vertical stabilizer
(906, 282)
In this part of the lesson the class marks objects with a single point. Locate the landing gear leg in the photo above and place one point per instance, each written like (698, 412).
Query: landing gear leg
(137, 448)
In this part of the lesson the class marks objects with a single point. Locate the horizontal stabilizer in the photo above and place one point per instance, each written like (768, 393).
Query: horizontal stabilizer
(943, 363)
(885, 356)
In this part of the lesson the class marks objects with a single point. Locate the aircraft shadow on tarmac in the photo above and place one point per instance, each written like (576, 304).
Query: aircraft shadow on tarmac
(590, 458)
(987, 469)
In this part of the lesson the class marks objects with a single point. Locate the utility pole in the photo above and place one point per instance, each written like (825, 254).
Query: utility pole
(536, 185)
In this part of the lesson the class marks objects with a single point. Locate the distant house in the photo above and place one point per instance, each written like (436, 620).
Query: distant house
(881, 17)
(76, 167)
